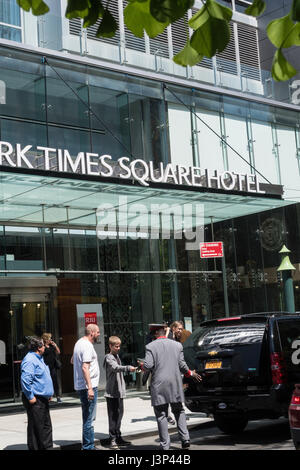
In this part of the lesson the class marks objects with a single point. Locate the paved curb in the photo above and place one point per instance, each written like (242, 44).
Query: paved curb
(140, 435)
(66, 439)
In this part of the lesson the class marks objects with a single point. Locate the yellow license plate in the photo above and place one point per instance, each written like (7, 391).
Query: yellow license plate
(213, 365)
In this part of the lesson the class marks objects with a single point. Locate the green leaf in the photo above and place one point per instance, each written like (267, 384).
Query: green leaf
(283, 32)
(212, 37)
(169, 10)
(108, 26)
(95, 12)
(212, 31)
(279, 29)
(256, 9)
(218, 11)
(295, 11)
(199, 18)
(25, 4)
(78, 8)
(293, 38)
(211, 9)
(281, 69)
(138, 18)
(188, 56)
(38, 7)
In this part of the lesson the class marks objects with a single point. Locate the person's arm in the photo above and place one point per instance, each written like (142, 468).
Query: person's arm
(184, 368)
(27, 376)
(87, 378)
(148, 364)
(57, 350)
(194, 374)
(115, 367)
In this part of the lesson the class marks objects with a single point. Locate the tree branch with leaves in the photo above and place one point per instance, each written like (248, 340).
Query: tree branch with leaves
(209, 26)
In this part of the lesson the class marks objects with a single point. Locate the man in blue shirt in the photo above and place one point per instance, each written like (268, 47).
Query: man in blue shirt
(37, 390)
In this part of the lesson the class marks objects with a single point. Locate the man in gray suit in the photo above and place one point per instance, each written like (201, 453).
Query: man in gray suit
(164, 358)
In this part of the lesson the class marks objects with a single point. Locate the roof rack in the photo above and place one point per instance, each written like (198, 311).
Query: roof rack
(249, 316)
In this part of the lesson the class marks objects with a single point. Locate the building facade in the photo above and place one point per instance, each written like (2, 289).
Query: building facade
(116, 163)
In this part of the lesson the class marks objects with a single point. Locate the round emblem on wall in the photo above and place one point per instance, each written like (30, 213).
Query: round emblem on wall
(272, 234)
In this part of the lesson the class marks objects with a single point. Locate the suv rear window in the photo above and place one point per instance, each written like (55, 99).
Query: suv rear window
(231, 335)
(243, 341)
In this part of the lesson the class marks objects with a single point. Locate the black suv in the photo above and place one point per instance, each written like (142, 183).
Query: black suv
(249, 366)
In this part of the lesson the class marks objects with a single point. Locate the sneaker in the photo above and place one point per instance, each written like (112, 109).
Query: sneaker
(58, 400)
(121, 442)
(113, 446)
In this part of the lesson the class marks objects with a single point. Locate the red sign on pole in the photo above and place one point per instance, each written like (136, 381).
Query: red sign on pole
(211, 250)
(90, 317)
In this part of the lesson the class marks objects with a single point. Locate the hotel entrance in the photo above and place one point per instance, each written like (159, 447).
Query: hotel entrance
(26, 309)
(75, 240)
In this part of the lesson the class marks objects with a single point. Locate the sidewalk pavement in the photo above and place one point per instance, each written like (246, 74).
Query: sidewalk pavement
(138, 420)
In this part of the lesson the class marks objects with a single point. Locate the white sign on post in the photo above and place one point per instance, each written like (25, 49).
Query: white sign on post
(92, 313)
(188, 324)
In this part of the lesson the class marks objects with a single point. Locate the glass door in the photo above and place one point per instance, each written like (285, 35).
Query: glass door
(6, 351)
(28, 318)
(18, 319)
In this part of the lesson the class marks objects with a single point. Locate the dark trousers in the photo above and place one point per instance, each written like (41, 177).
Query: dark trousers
(53, 373)
(115, 411)
(39, 427)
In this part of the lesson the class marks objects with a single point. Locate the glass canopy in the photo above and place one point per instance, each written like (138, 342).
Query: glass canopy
(28, 199)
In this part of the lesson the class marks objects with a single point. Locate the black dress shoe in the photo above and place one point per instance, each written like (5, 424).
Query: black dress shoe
(185, 444)
(122, 442)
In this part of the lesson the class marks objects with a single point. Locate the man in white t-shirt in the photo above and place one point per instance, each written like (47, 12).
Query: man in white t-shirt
(86, 378)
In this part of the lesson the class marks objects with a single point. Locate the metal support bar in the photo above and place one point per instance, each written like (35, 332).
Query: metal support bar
(225, 286)
(116, 271)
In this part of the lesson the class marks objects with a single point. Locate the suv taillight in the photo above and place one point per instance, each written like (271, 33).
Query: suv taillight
(295, 400)
(278, 369)
(294, 408)
(296, 395)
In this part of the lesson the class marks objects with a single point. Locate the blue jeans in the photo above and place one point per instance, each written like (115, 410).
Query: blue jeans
(89, 408)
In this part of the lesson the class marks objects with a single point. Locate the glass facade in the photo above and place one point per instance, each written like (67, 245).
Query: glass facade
(48, 220)
(10, 21)
(237, 68)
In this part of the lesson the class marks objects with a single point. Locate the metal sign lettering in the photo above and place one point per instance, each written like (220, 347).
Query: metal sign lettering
(94, 164)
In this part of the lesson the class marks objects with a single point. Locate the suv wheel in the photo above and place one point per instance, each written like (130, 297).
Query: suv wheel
(232, 423)
(192, 406)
